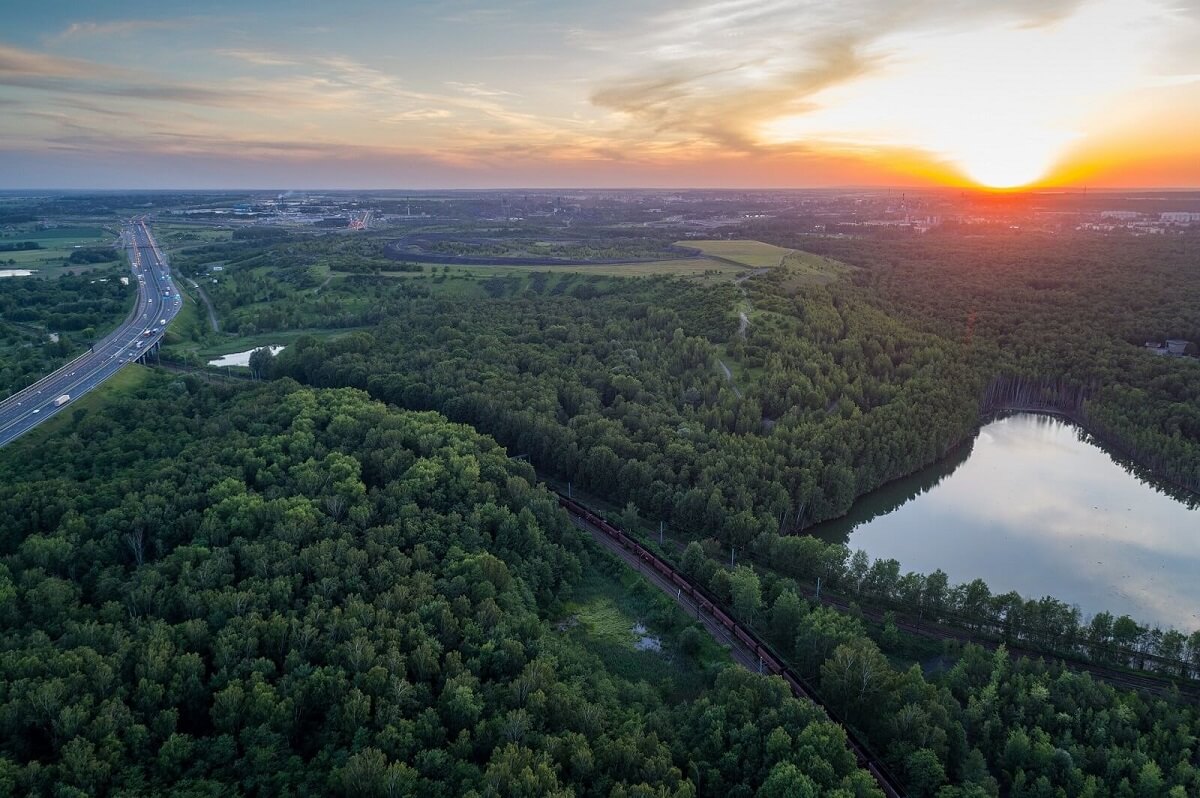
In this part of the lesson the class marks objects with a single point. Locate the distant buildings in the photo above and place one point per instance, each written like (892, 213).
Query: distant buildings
(1179, 217)
(1172, 347)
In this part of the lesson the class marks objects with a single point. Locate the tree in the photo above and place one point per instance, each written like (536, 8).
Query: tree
(786, 613)
(693, 559)
(260, 362)
(747, 593)
(854, 676)
(924, 773)
(787, 781)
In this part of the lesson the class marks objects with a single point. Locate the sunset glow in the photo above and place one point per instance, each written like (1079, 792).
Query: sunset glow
(724, 92)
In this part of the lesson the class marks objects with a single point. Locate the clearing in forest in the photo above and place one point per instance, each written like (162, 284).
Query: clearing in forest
(755, 254)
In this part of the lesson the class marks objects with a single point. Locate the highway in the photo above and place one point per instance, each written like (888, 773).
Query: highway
(158, 302)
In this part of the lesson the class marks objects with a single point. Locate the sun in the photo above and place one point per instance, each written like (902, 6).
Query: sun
(1003, 105)
(1011, 163)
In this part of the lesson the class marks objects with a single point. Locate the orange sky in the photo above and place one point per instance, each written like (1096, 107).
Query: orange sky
(709, 93)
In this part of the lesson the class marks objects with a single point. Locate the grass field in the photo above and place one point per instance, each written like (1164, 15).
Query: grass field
(125, 381)
(754, 254)
(57, 245)
(602, 614)
(693, 268)
(805, 268)
(174, 237)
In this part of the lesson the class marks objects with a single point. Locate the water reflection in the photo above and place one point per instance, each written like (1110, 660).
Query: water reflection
(1033, 505)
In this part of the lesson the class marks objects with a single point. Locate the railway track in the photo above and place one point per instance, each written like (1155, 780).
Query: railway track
(752, 651)
(1147, 683)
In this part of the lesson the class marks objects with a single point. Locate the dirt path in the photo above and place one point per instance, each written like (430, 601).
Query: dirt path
(212, 314)
(729, 377)
(746, 275)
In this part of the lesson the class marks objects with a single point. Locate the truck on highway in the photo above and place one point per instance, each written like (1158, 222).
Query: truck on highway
(62, 400)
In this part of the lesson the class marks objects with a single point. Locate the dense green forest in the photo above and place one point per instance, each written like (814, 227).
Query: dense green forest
(1070, 307)
(284, 591)
(617, 386)
(619, 390)
(976, 718)
(80, 308)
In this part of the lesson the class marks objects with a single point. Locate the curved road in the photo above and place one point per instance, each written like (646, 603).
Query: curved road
(157, 303)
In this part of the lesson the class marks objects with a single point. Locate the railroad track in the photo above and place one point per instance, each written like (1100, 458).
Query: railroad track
(754, 651)
(1160, 686)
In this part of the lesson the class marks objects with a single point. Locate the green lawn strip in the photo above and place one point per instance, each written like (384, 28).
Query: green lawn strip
(123, 383)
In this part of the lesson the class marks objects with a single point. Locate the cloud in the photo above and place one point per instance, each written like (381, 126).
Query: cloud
(81, 79)
(258, 57)
(123, 27)
(19, 65)
(994, 93)
(418, 114)
(478, 89)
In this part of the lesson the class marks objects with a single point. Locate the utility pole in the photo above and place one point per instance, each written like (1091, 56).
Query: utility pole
(660, 533)
(818, 588)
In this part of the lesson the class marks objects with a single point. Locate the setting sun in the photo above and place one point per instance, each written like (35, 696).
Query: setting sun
(999, 106)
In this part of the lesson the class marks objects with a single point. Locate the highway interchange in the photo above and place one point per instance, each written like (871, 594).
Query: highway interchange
(158, 302)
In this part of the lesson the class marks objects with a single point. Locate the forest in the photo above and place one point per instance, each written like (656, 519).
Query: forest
(1075, 308)
(79, 308)
(276, 589)
(287, 591)
(616, 387)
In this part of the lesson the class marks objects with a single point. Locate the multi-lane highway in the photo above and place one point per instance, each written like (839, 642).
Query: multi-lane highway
(157, 303)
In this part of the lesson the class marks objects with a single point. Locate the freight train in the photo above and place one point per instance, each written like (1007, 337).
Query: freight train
(771, 663)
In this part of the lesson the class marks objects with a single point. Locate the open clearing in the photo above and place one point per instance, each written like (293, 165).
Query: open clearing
(805, 268)
(57, 244)
(175, 237)
(754, 254)
(696, 268)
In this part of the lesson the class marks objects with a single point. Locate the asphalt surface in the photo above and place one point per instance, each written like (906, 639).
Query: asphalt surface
(138, 334)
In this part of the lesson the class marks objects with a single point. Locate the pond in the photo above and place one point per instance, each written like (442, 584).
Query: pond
(1033, 505)
(241, 358)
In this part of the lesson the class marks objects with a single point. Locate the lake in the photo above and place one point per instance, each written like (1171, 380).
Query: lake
(1033, 505)
(242, 358)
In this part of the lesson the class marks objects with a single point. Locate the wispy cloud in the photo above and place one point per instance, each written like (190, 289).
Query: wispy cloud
(121, 27)
(18, 64)
(259, 57)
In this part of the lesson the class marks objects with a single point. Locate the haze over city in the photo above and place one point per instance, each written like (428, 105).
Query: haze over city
(722, 93)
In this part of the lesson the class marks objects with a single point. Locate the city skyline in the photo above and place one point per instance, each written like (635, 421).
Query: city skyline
(724, 94)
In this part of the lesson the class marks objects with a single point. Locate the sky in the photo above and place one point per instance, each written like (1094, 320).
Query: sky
(620, 93)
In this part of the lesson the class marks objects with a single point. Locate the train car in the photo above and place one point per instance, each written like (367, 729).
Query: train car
(682, 583)
(725, 620)
(746, 639)
(772, 665)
